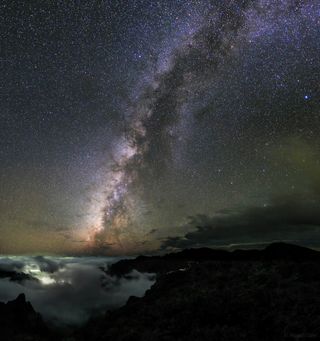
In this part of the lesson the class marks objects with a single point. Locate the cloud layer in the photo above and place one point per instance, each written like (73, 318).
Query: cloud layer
(67, 291)
(293, 218)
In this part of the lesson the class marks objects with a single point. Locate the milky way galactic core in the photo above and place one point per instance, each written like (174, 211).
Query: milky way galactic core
(140, 126)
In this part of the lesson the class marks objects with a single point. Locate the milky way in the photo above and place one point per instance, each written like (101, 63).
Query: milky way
(127, 125)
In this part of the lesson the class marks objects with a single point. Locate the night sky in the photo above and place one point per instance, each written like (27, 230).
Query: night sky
(144, 126)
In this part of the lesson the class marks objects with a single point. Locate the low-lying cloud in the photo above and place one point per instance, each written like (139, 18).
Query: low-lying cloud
(67, 291)
(294, 218)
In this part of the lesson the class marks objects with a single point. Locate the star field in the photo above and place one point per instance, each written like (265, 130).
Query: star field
(130, 127)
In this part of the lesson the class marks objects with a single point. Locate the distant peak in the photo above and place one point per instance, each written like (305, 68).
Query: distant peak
(21, 298)
(284, 246)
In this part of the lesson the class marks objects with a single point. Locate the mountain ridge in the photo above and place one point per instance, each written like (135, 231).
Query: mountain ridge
(200, 294)
(172, 261)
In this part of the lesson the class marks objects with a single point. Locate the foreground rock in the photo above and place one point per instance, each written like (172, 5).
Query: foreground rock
(19, 321)
(221, 300)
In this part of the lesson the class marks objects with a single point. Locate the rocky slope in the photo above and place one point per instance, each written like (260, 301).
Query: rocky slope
(19, 321)
(204, 294)
(221, 300)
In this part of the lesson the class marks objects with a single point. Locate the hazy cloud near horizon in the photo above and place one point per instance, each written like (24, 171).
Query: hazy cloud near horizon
(294, 218)
(67, 291)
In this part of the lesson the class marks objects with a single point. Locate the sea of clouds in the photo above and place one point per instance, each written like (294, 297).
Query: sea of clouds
(67, 291)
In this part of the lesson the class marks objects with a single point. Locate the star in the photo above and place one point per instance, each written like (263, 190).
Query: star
(122, 117)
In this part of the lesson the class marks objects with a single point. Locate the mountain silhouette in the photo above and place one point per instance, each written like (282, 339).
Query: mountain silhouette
(204, 294)
(182, 259)
(200, 294)
(19, 321)
(15, 276)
